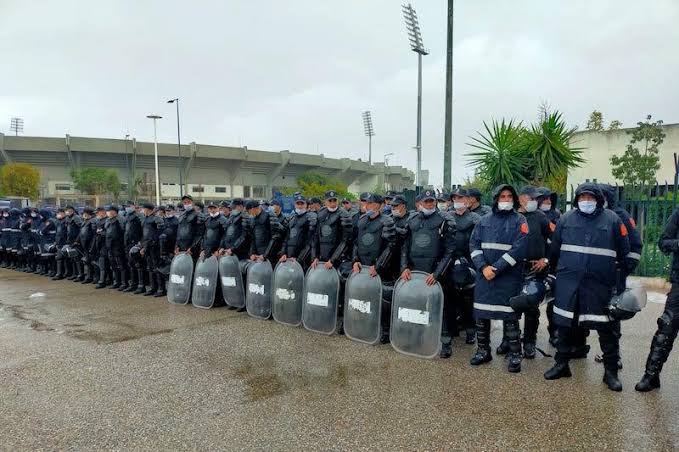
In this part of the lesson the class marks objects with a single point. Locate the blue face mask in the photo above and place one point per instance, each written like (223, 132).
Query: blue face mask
(587, 206)
(370, 212)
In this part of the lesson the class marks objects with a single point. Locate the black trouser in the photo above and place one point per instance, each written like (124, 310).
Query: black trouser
(666, 334)
(608, 339)
(463, 301)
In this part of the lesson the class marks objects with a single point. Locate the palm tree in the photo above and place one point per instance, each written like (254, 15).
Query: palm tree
(501, 157)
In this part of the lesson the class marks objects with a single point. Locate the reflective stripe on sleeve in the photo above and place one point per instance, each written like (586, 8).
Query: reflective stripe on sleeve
(510, 260)
(593, 318)
(589, 250)
(563, 313)
(496, 246)
(635, 256)
(492, 307)
(476, 253)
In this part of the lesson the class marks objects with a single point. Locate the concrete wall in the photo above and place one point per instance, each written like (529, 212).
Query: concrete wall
(600, 146)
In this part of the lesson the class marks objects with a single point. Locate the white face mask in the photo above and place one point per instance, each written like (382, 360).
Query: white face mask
(587, 206)
(109, 214)
(459, 205)
(428, 212)
(397, 213)
(505, 205)
(442, 206)
(60, 216)
(546, 207)
(34, 214)
(214, 214)
(531, 206)
(188, 207)
(334, 209)
(299, 211)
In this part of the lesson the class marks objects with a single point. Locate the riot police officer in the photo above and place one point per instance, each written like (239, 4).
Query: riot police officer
(333, 234)
(25, 239)
(98, 247)
(46, 246)
(225, 208)
(300, 240)
(84, 243)
(547, 202)
(314, 204)
(429, 247)
(535, 266)
(497, 245)
(4, 235)
(235, 239)
(73, 224)
(166, 241)
(264, 232)
(668, 322)
(190, 228)
(114, 248)
(375, 242)
(585, 246)
(215, 228)
(132, 235)
(149, 253)
(462, 273)
(474, 201)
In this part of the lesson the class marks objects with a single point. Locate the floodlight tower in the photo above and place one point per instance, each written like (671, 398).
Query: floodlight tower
(16, 125)
(416, 45)
(369, 132)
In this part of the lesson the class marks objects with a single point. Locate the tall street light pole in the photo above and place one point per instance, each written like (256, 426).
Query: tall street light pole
(179, 148)
(155, 152)
(416, 45)
(448, 139)
(369, 132)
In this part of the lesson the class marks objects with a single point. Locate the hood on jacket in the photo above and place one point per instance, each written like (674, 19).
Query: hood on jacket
(547, 193)
(592, 189)
(610, 195)
(499, 189)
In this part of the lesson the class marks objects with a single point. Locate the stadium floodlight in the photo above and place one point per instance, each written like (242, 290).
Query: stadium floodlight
(386, 158)
(416, 45)
(369, 132)
(155, 152)
(16, 125)
(179, 147)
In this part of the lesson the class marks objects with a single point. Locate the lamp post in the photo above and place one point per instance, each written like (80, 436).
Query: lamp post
(386, 158)
(129, 170)
(179, 148)
(369, 132)
(416, 45)
(448, 134)
(155, 152)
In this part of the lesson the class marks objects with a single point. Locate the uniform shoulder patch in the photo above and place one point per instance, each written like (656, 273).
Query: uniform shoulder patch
(623, 230)
(524, 228)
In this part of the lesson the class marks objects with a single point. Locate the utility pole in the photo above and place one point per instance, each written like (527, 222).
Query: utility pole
(448, 140)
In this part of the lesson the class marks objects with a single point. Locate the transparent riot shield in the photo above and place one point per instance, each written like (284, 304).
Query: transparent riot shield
(179, 282)
(258, 290)
(231, 279)
(287, 293)
(363, 307)
(205, 282)
(321, 297)
(417, 317)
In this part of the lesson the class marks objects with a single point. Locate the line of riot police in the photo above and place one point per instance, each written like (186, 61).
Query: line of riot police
(416, 277)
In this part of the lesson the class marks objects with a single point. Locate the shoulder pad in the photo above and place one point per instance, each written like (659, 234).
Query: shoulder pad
(313, 218)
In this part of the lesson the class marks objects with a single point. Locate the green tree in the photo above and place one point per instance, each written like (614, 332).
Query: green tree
(20, 179)
(501, 156)
(97, 181)
(313, 184)
(614, 125)
(638, 165)
(595, 121)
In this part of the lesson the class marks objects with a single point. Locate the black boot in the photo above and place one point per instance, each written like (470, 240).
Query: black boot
(60, 271)
(161, 292)
(116, 279)
(141, 287)
(503, 348)
(470, 336)
(611, 379)
(446, 350)
(560, 370)
(132, 286)
(513, 335)
(529, 350)
(661, 346)
(123, 279)
(154, 286)
(482, 354)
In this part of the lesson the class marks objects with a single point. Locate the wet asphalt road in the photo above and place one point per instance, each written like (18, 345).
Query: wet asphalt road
(96, 369)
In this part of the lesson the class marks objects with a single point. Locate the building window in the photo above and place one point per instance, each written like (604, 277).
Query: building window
(258, 191)
(220, 189)
(246, 191)
(62, 187)
(198, 189)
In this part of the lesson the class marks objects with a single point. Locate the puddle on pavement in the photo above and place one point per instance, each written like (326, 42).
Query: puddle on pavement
(264, 380)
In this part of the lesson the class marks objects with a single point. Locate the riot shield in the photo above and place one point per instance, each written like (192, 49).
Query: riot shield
(417, 317)
(179, 283)
(321, 295)
(205, 283)
(287, 292)
(258, 293)
(231, 279)
(363, 307)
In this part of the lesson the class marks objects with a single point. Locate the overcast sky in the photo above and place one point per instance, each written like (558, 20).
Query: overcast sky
(296, 74)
